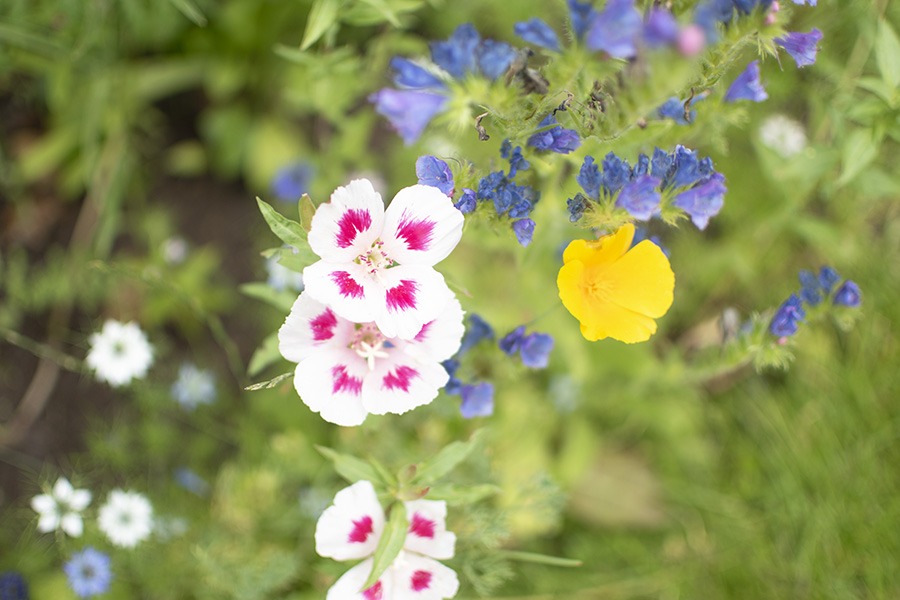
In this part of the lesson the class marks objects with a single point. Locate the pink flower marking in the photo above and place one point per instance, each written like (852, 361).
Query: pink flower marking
(399, 379)
(361, 530)
(421, 580)
(348, 287)
(416, 233)
(403, 296)
(342, 382)
(373, 593)
(421, 526)
(323, 325)
(423, 333)
(352, 222)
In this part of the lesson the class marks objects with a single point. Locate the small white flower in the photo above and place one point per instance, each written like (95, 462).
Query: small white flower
(194, 386)
(281, 278)
(61, 508)
(126, 518)
(783, 134)
(119, 353)
(175, 250)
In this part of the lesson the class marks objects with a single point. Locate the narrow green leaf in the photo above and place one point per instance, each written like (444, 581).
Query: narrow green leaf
(389, 545)
(307, 209)
(190, 10)
(887, 53)
(349, 467)
(457, 495)
(296, 261)
(323, 15)
(265, 385)
(859, 151)
(283, 300)
(446, 460)
(287, 231)
(541, 559)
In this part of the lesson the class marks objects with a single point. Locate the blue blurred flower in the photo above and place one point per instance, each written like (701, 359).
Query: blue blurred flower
(517, 162)
(88, 572)
(524, 230)
(616, 29)
(747, 6)
(454, 384)
(788, 317)
(477, 400)
(494, 58)
(801, 46)
(13, 586)
(848, 294)
(194, 386)
(191, 481)
(467, 202)
(747, 86)
(409, 111)
(511, 342)
(477, 329)
(457, 54)
(556, 139)
(292, 181)
(581, 15)
(703, 201)
(811, 288)
(640, 197)
(673, 108)
(434, 172)
(535, 350)
(576, 206)
(828, 278)
(809, 2)
(589, 177)
(535, 31)
(708, 15)
(408, 74)
(660, 28)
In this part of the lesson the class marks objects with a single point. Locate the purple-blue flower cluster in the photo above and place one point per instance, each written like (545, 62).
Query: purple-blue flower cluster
(477, 397)
(509, 198)
(423, 92)
(555, 139)
(693, 184)
(814, 290)
(292, 181)
(801, 46)
(13, 586)
(534, 348)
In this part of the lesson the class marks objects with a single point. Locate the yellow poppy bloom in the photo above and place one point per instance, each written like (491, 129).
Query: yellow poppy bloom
(613, 291)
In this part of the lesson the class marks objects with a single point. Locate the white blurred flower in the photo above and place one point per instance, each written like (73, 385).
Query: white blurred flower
(783, 134)
(119, 353)
(126, 518)
(61, 508)
(194, 386)
(281, 278)
(175, 250)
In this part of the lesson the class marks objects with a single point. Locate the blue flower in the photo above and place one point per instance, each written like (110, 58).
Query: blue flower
(703, 201)
(536, 348)
(589, 177)
(828, 278)
(88, 572)
(788, 317)
(848, 295)
(434, 172)
(454, 384)
(616, 173)
(747, 86)
(810, 290)
(615, 29)
(409, 111)
(511, 342)
(661, 164)
(292, 181)
(640, 197)
(494, 58)
(801, 46)
(556, 139)
(581, 15)
(477, 329)
(688, 169)
(710, 14)
(467, 202)
(660, 29)
(673, 108)
(747, 6)
(524, 230)
(810, 2)
(13, 586)
(577, 206)
(517, 162)
(536, 32)
(641, 167)
(408, 74)
(477, 400)
(194, 386)
(457, 54)
(191, 481)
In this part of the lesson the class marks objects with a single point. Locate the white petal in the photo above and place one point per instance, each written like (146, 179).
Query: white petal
(345, 288)
(348, 224)
(43, 503)
(62, 490)
(330, 383)
(414, 296)
(349, 584)
(421, 226)
(400, 383)
(49, 521)
(310, 326)
(351, 527)
(420, 578)
(71, 524)
(428, 533)
(439, 339)
(79, 500)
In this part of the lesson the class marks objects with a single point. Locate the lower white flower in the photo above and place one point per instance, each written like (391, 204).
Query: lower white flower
(350, 529)
(783, 134)
(119, 353)
(61, 508)
(126, 518)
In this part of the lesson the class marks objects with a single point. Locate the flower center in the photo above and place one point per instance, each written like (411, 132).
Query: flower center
(375, 259)
(369, 343)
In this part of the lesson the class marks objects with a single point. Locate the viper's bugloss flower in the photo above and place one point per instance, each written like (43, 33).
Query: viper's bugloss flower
(582, 15)
(13, 586)
(810, 288)
(535, 350)
(660, 28)
(801, 46)
(524, 230)
(517, 161)
(535, 31)
(710, 14)
(788, 317)
(616, 173)
(89, 572)
(467, 202)
(556, 139)
(436, 173)
(511, 342)
(703, 201)
(640, 197)
(747, 6)
(828, 278)
(673, 108)
(615, 290)
(292, 181)
(577, 206)
(615, 30)
(477, 329)
(465, 52)
(747, 86)
(848, 294)
(477, 400)
(412, 75)
(409, 111)
(809, 2)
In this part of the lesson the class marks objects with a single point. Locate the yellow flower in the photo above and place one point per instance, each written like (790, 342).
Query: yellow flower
(613, 291)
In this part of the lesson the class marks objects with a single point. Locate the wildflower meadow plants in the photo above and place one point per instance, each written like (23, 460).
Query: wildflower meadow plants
(530, 297)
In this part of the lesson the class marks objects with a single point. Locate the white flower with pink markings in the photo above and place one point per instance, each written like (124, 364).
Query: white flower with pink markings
(377, 264)
(347, 370)
(350, 529)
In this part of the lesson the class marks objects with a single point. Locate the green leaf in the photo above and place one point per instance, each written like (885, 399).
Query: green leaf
(190, 10)
(880, 88)
(389, 545)
(287, 231)
(296, 262)
(349, 467)
(887, 54)
(860, 149)
(265, 385)
(323, 15)
(458, 495)
(267, 354)
(307, 209)
(541, 559)
(446, 460)
(283, 300)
